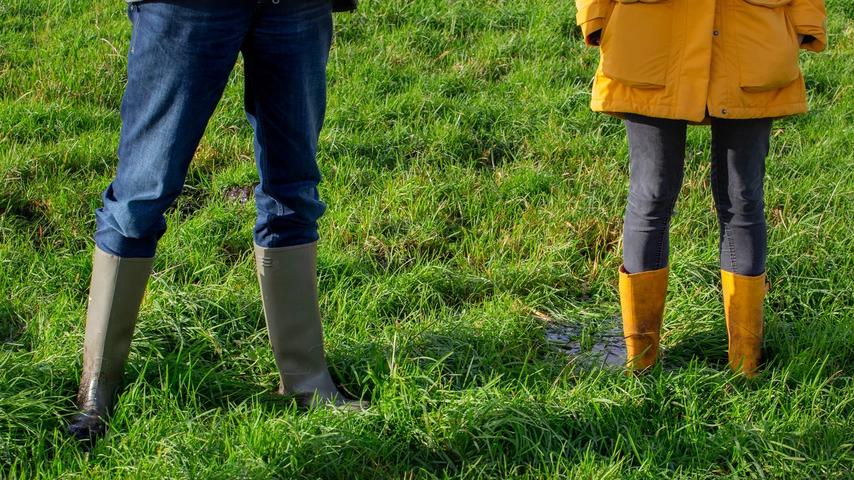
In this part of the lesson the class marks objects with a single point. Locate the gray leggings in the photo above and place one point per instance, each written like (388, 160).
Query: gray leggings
(657, 153)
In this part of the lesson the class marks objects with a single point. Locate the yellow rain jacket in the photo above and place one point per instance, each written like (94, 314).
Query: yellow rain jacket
(691, 59)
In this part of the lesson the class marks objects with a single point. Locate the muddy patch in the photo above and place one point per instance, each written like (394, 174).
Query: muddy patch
(589, 346)
(241, 195)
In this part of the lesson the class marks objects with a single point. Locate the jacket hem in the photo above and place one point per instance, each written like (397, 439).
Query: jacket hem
(619, 109)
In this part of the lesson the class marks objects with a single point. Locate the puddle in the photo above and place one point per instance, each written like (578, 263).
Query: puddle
(599, 346)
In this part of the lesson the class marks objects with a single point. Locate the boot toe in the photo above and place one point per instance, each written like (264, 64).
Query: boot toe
(347, 405)
(87, 427)
(335, 400)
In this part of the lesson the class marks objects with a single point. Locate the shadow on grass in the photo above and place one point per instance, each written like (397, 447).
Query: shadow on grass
(457, 360)
(465, 425)
(709, 347)
(12, 327)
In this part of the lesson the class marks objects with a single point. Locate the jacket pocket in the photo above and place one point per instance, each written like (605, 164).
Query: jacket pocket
(636, 43)
(767, 45)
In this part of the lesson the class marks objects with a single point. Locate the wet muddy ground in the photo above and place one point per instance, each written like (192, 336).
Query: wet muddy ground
(599, 346)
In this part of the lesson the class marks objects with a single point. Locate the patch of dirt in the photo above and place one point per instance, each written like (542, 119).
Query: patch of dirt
(241, 195)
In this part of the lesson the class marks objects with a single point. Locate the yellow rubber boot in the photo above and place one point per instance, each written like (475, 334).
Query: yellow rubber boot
(642, 300)
(743, 305)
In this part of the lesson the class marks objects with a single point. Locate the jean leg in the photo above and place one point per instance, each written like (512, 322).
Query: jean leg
(657, 164)
(285, 57)
(180, 57)
(739, 149)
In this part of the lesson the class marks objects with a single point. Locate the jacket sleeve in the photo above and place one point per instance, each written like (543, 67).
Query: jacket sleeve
(591, 16)
(810, 20)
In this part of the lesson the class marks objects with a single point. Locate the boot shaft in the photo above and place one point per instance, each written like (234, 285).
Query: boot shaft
(642, 297)
(115, 295)
(288, 280)
(744, 299)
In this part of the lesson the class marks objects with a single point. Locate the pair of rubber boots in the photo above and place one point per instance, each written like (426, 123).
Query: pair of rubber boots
(288, 281)
(642, 300)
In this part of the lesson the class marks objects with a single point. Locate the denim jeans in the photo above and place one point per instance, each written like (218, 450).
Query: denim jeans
(657, 156)
(181, 54)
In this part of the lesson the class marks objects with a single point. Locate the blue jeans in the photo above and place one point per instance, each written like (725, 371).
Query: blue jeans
(657, 154)
(180, 58)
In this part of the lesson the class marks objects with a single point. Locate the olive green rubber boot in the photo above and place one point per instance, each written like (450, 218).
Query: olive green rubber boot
(115, 294)
(288, 280)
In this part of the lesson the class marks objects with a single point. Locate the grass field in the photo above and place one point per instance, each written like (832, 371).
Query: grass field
(475, 202)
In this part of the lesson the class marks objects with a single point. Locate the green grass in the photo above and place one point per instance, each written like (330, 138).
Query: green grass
(472, 193)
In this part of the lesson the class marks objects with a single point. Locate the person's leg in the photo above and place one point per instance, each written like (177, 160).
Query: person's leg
(180, 57)
(657, 164)
(285, 58)
(657, 155)
(286, 55)
(739, 149)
